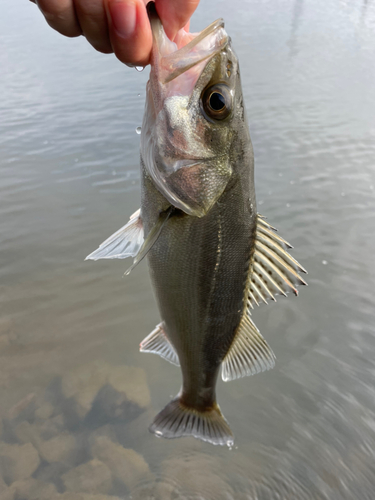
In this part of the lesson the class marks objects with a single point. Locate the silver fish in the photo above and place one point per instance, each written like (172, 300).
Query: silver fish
(212, 257)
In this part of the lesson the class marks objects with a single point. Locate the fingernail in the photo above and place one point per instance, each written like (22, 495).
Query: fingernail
(123, 15)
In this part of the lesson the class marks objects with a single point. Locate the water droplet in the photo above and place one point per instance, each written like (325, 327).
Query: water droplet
(45, 142)
(76, 160)
(138, 130)
(372, 187)
(288, 205)
(324, 262)
(139, 95)
(292, 182)
(139, 68)
(343, 194)
(280, 174)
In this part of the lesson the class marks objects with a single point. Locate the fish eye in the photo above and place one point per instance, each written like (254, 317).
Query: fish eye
(217, 101)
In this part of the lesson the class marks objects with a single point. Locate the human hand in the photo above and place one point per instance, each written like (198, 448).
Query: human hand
(119, 26)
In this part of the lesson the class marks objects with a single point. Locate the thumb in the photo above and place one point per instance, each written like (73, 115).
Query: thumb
(129, 31)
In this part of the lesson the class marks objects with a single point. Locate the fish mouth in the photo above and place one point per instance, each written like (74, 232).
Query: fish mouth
(172, 59)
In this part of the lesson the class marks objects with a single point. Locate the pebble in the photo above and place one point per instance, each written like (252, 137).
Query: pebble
(91, 477)
(126, 465)
(18, 461)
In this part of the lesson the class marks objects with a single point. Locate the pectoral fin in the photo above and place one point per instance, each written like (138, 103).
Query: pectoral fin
(249, 353)
(158, 343)
(124, 243)
(129, 240)
(153, 235)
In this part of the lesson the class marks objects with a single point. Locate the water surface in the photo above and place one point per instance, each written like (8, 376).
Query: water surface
(69, 156)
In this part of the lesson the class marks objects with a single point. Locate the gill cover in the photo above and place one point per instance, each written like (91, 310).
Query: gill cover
(184, 151)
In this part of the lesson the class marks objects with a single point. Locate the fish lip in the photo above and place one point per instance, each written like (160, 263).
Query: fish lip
(173, 64)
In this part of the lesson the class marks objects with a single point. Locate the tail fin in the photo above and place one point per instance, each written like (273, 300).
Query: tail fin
(178, 420)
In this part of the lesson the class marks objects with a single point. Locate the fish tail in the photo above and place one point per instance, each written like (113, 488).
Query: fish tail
(178, 420)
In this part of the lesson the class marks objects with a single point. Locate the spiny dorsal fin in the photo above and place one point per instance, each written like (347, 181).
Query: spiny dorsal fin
(249, 354)
(273, 270)
(158, 343)
(124, 243)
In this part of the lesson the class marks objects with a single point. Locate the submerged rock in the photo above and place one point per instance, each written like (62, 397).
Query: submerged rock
(28, 433)
(126, 465)
(91, 477)
(99, 392)
(133, 383)
(44, 411)
(83, 384)
(52, 473)
(24, 409)
(32, 489)
(61, 448)
(5, 492)
(18, 461)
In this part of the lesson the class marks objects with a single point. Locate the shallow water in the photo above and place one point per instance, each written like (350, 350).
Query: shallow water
(69, 329)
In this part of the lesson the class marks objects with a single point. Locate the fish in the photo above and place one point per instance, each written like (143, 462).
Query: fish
(212, 257)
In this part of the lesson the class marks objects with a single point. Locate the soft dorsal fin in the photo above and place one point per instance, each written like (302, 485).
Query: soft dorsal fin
(249, 353)
(273, 270)
(158, 343)
(124, 243)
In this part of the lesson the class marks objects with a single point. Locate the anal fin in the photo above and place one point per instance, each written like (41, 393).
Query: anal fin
(158, 343)
(249, 353)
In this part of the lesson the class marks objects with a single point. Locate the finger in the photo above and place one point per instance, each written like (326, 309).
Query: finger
(93, 21)
(175, 15)
(129, 31)
(61, 16)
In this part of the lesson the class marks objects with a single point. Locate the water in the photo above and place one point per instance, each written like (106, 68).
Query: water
(70, 330)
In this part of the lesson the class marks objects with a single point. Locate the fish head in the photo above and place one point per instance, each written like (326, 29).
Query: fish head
(193, 107)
